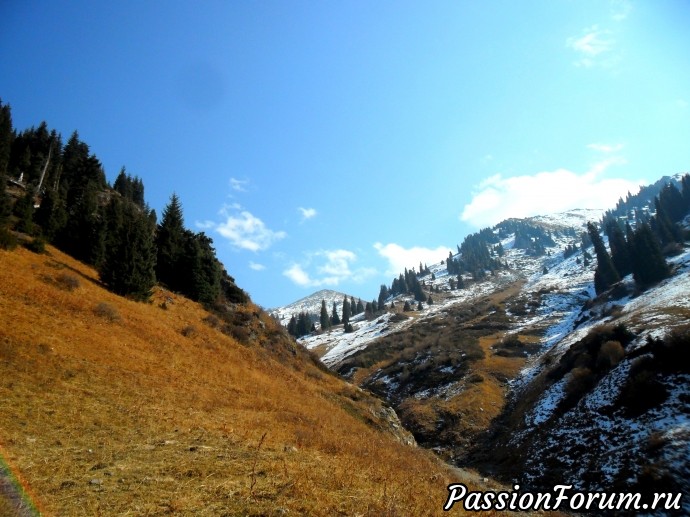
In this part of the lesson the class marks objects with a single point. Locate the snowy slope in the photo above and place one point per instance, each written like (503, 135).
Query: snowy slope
(571, 281)
(311, 304)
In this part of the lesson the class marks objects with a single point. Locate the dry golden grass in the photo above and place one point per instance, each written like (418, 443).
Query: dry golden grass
(113, 411)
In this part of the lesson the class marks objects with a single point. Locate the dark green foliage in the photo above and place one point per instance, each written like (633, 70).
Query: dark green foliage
(324, 320)
(199, 270)
(430, 301)
(620, 254)
(7, 239)
(406, 307)
(170, 244)
(360, 306)
(420, 307)
(353, 306)
(349, 328)
(130, 188)
(605, 274)
(24, 210)
(301, 325)
(335, 319)
(346, 312)
(130, 256)
(648, 263)
(51, 216)
(6, 137)
(36, 245)
(383, 294)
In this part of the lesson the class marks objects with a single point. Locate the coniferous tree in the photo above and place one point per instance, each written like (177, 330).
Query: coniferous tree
(6, 139)
(605, 274)
(686, 192)
(324, 319)
(430, 300)
(24, 210)
(648, 263)
(420, 307)
(383, 294)
(335, 319)
(292, 326)
(406, 307)
(375, 306)
(360, 306)
(353, 306)
(346, 311)
(51, 216)
(130, 256)
(619, 248)
(170, 244)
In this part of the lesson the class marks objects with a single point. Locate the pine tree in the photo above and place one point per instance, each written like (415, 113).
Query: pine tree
(353, 306)
(6, 139)
(619, 249)
(346, 311)
(383, 294)
(360, 306)
(51, 216)
(605, 274)
(406, 307)
(324, 319)
(170, 243)
(430, 300)
(420, 307)
(648, 263)
(335, 319)
(292, 326)
(24, 210)
(130, 256)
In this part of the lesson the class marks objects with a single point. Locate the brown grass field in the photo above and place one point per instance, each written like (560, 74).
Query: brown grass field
(113, 407)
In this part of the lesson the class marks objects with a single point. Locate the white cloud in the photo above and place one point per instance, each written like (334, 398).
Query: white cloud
(606, 148)
(307, 213)
(205, 225)
(239, 185)
(499, 198)
(595, 48)
(255, 266)
(298, 275)
(330, 268)
(400, 258)
(246, 231)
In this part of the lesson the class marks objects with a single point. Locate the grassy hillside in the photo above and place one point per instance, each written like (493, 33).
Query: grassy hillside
(108, 406)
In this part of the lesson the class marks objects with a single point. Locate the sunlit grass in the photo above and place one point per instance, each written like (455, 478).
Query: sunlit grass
(108, 407)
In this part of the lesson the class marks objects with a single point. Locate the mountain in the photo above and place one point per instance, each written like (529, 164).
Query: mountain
(311, 304)
(526, 373)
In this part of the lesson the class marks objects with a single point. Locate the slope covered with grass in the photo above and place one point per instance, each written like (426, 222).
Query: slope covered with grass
(109, 406)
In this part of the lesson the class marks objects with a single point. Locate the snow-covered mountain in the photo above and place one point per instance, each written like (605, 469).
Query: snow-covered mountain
(527, 374)
(311, 304)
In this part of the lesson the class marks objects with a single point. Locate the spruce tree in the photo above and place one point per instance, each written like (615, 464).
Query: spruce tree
(346, 311)
(406, 307)
(353, 306)
(605, 274)
(324, 319)
(335, 319)
(6, 139)
(51, 216)
(619, 248)
(360, 306)
(648, 263)
(170, 243)
(130, 256)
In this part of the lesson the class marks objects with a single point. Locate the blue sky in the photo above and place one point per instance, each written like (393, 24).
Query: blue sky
(329, 144)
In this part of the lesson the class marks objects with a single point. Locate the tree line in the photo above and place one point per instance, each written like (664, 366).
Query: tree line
(641, 250)
(68, 202)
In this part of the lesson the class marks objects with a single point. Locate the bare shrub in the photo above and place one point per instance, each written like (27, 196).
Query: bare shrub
(106, 311)
(189, 331)
(579, 382)
(212, 321)
(610, 354)
(67, 282)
